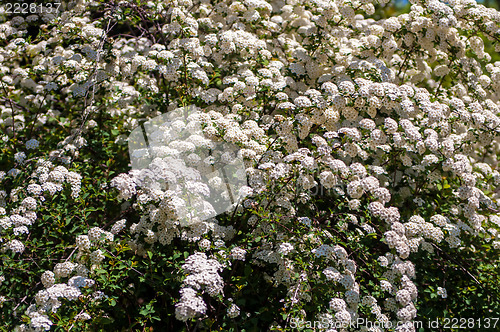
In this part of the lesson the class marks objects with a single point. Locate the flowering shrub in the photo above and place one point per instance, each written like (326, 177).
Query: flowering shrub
(369, 143)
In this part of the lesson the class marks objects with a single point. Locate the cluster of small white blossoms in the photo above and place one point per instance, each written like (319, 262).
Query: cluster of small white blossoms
(367, 108)
(202, 276)
(46, 179)
(341, 271)
(176, 182)
(88, 245)
(49, 299)
(442, 292)
(233, 311)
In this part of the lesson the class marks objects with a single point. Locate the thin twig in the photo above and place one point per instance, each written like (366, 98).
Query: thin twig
(458, 263)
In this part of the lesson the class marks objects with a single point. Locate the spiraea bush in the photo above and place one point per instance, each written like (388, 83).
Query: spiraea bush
(370, 145)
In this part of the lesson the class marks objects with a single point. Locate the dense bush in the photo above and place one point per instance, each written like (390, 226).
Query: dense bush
(369, 142)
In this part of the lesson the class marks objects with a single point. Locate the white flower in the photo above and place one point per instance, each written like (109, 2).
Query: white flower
(32, 144)
(16, 246)
(19, 157)
(238, 253)
(305, 220)
(285, 248)
(83, 316)
(442, 292)
(190, 305)
(13, 172)
(233, 311)
(337, 304)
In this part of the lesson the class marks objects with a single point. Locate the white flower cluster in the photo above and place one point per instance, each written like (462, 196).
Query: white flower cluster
(203, 274)
(233, 311)
(49, 299)
(51, 179)
(125, 185)
(442, 292)
(190, 305)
